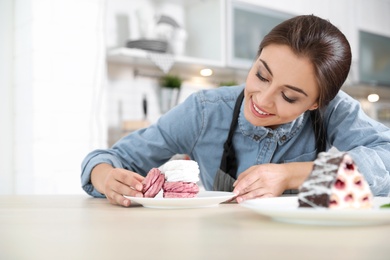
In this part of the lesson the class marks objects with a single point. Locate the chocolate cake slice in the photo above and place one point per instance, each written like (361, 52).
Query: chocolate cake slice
(336, 183)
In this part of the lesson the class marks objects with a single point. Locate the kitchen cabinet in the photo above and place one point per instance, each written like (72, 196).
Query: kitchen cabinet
(204, 23)
(247, 25)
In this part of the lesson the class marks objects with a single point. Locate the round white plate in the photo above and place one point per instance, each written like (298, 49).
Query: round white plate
(285, 209)
(203, 199)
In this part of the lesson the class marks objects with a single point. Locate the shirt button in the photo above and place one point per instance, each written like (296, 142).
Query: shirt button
(283, 138)
(256, 137)
(270, 135)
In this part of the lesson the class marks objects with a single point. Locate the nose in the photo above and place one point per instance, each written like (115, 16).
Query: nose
(265, 98)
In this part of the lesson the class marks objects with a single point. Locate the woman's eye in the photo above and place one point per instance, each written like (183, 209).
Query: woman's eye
(260, 77)
(289, 100)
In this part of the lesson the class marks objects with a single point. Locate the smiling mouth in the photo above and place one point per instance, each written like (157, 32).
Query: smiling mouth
(258, 110)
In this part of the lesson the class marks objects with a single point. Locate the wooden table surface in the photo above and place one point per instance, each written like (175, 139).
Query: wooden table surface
(81, 227)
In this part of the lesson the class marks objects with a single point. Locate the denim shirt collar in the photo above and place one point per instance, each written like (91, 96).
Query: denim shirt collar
(282, 134)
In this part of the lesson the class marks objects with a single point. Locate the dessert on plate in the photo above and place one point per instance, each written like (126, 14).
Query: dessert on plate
(336, 183)
(181, 177)
(153, 183)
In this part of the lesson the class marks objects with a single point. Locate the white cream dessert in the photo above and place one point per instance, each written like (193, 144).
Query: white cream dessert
(181, 170)
(335, 183)
(181, 177)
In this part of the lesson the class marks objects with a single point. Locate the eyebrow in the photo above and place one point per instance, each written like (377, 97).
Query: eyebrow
(288, 86)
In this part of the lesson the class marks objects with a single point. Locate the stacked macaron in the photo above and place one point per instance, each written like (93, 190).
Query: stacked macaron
(177, 178)
(152, 183)
(181, 177)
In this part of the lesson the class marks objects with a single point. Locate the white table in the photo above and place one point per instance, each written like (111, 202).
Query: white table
(80, 227)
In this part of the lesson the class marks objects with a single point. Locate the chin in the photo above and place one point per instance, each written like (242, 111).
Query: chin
(257, 121)
(252, 119)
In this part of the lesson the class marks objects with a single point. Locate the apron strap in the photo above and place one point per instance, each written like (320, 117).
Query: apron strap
(228, 161)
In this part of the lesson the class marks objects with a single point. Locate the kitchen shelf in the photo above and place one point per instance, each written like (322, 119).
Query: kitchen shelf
(138, 58)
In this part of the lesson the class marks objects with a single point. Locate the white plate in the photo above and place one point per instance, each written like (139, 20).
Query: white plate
(285, 209)
(203, 199)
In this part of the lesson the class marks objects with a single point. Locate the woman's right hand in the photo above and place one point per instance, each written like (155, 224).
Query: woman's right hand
(116, 182)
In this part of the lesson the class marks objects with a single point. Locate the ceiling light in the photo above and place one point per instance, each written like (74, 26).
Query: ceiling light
(206, 72)
(373, 98)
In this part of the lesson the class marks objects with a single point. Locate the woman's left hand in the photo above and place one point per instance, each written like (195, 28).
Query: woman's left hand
(270, 180)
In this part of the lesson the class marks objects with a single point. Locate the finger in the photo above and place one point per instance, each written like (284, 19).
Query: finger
(123, 189)
(118, 199)
(128, 178)
(240, 177)
(249, 191)
(244, 174)
(246, 184)
(258, 193)
(250, 171)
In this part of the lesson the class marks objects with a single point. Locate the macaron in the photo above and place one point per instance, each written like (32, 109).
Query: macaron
(153, 183)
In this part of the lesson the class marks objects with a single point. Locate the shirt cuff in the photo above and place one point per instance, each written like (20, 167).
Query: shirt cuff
(88, 164)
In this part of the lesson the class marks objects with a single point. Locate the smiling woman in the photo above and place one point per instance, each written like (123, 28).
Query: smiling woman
(277, 93)
(259, 139)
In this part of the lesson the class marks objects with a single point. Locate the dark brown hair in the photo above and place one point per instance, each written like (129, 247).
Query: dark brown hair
(328, 50)
(323, 44)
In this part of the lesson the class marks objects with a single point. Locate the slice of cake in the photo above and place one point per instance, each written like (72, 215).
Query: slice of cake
(181, 177)
(335, 183)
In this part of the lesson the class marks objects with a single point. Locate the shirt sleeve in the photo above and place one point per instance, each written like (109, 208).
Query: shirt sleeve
(366, 140)
(175, 133)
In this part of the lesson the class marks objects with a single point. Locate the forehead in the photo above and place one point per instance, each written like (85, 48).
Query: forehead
(287, 68)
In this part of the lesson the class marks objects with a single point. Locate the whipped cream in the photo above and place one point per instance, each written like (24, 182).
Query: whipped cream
(180, 170)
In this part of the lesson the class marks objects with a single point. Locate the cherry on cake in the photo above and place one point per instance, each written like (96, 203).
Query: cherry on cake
(335, 183)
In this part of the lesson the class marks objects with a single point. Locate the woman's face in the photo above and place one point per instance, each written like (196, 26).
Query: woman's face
(280, 86)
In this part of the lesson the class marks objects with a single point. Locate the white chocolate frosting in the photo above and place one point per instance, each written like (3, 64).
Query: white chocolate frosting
(181, 170)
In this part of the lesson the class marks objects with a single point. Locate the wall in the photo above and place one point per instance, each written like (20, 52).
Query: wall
(59, 105)
(6, 97)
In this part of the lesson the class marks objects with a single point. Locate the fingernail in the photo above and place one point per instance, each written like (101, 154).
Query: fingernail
(236, 192)
(138, 187)
(126, 203)
(138, 194)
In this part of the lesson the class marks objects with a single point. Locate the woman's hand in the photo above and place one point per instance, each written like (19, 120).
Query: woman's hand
(270, 180)
(116, 182)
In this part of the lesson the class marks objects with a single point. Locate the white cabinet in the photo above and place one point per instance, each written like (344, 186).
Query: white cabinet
(247, 26)
(223, 35)
(204, 23)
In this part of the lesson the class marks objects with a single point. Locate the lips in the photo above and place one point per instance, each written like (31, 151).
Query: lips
(259, 112)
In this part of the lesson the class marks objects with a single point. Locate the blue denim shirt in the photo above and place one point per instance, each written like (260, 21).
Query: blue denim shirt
(199, 127)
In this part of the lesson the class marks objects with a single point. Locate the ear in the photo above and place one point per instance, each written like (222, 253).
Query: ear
(314, 106)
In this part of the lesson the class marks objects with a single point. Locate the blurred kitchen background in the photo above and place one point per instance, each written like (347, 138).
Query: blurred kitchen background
(77, 75)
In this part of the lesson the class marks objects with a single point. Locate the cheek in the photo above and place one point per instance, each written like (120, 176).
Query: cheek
(289, 112)
(251, 81)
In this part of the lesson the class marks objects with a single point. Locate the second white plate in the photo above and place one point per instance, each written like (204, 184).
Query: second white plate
(285, 209)
(203, 199)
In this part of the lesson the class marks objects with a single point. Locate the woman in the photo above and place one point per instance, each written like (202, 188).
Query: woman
(258, 140)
